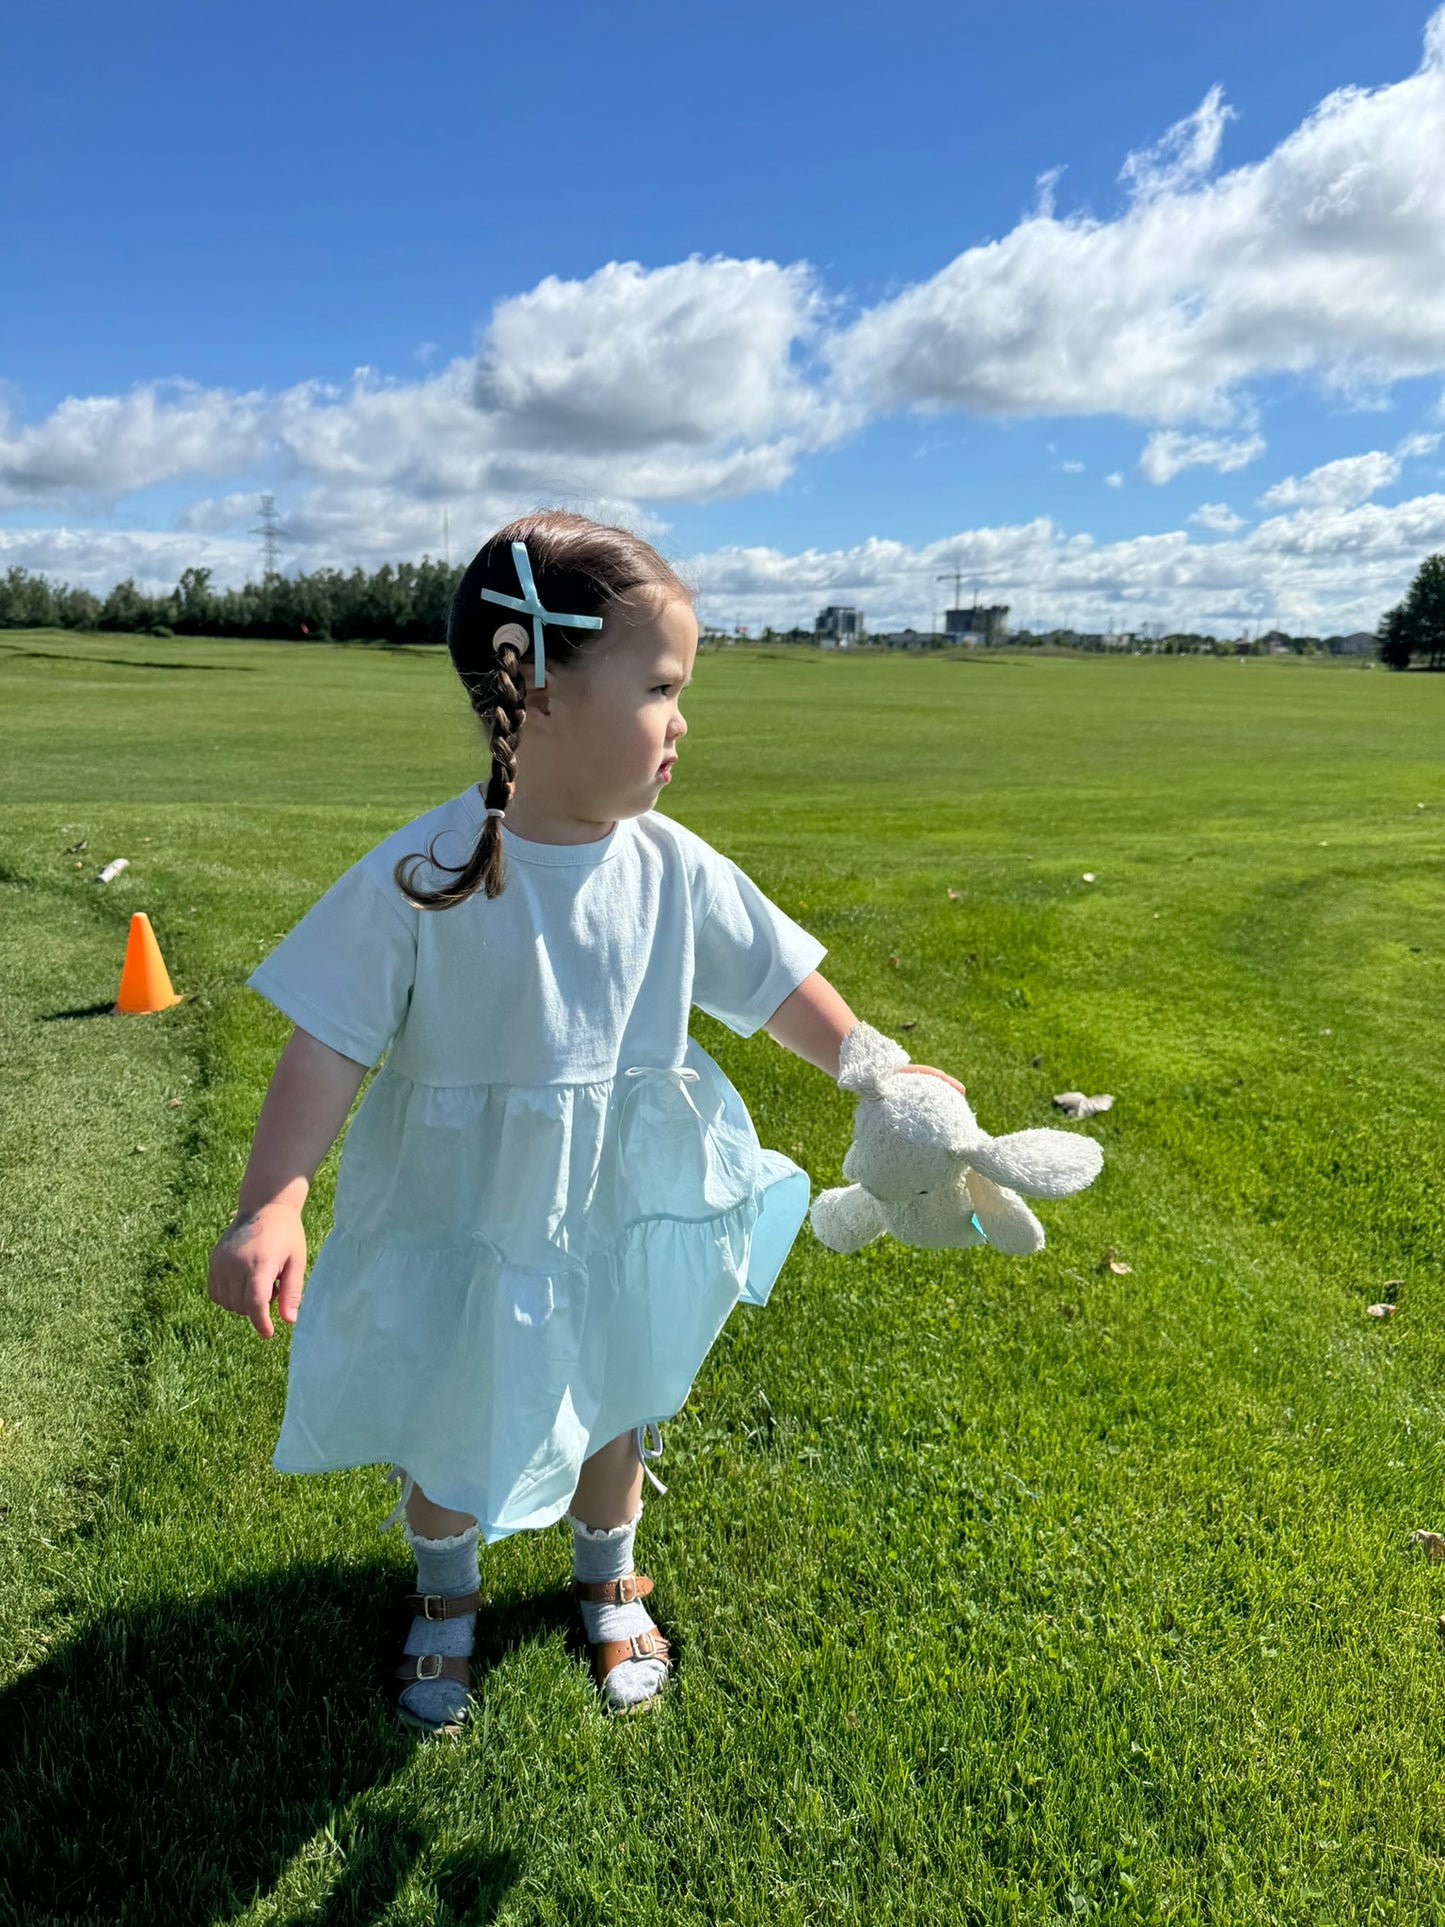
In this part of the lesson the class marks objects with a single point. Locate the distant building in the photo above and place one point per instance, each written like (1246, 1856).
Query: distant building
(983, 625)
(839, 628)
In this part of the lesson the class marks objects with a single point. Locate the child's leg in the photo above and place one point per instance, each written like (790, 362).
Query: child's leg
(434, 1521)
(605, 1510)
(444, 1544)
(609, 1489)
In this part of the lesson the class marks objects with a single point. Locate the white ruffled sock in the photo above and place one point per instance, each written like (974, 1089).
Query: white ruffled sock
(607, 1553)
(447, 1567)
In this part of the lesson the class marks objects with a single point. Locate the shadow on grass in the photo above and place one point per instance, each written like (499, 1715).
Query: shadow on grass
(82, 1010)
(126, 662)
(389, 646)
(172, 1760)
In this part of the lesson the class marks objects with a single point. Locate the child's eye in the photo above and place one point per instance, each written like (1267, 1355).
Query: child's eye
(663, 686)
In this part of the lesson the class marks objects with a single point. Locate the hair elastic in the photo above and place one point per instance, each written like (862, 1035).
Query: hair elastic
(530, 603)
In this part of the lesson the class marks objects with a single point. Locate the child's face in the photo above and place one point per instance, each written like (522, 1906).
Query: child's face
(597, 738)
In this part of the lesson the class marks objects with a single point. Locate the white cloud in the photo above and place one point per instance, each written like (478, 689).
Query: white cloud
(212, 515)
(1045, 191)
(1186, 154)
(1315, 572)
(1353, 479)
(1169, 453)
(1114, 480)
(99, 558)
(1318, 570)
(1218, 516)
(1325, 258)
(1336, 485)
(699, 354)
(1072, 468)
(111, 445)
(678, 384)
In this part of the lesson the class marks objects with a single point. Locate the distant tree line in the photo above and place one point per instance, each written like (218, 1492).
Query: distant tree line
(400, 602)
(408, 602)
(1183, 642)
(1275, 642)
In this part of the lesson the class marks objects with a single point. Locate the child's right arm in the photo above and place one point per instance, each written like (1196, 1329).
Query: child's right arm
(261, 1255)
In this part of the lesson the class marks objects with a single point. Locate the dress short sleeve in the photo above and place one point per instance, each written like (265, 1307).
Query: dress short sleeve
(748, 955)
(345, 972)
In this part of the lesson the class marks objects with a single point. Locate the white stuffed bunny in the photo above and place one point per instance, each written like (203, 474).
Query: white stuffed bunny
(923, 1170)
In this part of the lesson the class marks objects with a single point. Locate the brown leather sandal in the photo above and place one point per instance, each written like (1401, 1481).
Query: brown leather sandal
(415, 1666)
(607, 1653)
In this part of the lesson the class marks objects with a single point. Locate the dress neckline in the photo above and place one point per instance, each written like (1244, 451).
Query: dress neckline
(568, 856)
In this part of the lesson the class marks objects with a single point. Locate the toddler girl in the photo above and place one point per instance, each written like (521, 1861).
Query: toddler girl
(550, 1197)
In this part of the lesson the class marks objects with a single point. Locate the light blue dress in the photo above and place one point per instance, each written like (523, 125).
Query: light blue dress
(550, 1196)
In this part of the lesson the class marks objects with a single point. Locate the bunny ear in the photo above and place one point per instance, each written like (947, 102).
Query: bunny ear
(1004, 1218)
(1045, 1164)
(865, 1058)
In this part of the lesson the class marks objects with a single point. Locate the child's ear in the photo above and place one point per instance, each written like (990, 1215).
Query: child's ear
(567, 682)
(539, 701)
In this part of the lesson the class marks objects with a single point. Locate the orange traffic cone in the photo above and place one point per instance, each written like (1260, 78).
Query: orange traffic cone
(145, 984)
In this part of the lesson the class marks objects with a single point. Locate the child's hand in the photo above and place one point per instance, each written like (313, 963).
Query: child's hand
(929, 1071)
(258, 1258)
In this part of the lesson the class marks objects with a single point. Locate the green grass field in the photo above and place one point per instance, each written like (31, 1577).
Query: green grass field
(1005, 1591)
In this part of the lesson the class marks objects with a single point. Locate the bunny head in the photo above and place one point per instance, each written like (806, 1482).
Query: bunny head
(922, 1170)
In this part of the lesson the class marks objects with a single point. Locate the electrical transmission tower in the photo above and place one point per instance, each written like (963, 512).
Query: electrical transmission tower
(272, 535)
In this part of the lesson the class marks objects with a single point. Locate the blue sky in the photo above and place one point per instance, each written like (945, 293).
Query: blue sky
(830, 298)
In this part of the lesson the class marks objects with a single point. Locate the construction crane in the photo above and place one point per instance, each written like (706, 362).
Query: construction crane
(955, 576)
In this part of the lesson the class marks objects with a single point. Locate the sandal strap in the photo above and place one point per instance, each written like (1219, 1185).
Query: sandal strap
(433, 1666)
(435, 1605)
(608, 1653)
(614, 1592)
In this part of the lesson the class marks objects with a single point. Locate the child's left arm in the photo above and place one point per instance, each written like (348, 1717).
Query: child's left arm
(813, 1022)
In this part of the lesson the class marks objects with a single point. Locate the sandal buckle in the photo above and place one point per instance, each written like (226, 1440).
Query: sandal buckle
(434, 1599)
(644, 1645)
(428, 1665)
(627, 1589)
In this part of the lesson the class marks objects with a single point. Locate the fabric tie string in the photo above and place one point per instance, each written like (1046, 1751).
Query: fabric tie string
(643, 1438)
(680, 1075)
(398, 1476)
(529, 603)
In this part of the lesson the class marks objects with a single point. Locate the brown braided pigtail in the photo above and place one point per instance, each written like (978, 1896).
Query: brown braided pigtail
(505, 696)
(580, 566)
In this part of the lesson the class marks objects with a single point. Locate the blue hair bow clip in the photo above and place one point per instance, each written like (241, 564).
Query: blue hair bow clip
(529, 603)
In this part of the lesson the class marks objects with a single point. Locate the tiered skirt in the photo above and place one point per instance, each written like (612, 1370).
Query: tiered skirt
(516, 1275)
